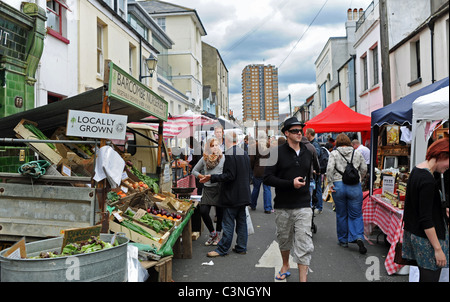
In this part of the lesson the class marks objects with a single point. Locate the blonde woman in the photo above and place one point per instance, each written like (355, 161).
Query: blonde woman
(211, 163)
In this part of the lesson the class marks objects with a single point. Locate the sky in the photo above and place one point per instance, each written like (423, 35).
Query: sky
(288, 34)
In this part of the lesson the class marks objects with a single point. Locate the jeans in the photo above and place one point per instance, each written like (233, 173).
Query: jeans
(348, 200)
(230, 216)
(267, 194)
(319, 204)
(318, 186)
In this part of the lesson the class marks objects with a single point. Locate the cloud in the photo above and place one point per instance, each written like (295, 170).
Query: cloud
(265, 32)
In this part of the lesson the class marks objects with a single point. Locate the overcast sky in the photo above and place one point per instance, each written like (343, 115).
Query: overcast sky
(272, 32)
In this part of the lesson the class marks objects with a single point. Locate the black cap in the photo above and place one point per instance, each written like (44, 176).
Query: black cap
(289, 123)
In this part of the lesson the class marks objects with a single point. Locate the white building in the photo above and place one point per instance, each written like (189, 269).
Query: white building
(184, 27)
(368, 61)
(418, 44)
(335, 68)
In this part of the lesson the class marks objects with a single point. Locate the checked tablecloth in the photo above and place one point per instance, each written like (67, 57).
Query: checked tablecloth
(389, 219)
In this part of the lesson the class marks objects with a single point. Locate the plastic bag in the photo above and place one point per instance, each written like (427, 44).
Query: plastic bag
(250, 229)
(136, 273)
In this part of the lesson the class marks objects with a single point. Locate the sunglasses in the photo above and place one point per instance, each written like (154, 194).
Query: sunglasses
(295, 131)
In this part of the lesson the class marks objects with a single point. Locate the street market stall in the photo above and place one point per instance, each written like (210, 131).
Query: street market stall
(384, 206)
(80, 158)
(338, 117)
(181, 127)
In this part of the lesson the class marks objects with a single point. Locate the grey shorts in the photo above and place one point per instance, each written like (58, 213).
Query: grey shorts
(294, 233)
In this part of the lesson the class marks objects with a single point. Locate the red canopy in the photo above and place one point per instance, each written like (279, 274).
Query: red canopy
(339, 118)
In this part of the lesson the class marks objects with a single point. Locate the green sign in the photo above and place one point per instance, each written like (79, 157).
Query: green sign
(124, 87)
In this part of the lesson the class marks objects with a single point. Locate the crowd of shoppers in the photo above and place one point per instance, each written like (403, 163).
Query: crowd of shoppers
(227, 172)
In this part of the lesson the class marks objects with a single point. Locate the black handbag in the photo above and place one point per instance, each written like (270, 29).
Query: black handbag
(398, 254)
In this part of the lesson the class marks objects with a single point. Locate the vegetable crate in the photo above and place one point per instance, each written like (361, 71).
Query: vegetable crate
(159, 271)
(43, 149)
(116, 227)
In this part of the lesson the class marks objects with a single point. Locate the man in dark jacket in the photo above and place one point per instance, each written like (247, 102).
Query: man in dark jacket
(234, 196)
(291, 176)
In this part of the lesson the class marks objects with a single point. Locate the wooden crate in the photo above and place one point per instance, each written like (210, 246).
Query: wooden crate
(182, 248)
(43, 149)
(159, 271)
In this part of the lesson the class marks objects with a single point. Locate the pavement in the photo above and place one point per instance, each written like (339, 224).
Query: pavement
(330, 262)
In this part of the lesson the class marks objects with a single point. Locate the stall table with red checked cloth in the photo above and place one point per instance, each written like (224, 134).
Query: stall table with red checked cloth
(389, 219)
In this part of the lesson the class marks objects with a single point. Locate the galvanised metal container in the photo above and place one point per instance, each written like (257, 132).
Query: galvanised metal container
(109, 265)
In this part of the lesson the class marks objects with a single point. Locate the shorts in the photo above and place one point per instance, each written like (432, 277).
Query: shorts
(294, 233)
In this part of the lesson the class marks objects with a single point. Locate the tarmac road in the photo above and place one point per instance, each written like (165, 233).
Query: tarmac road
(330, 262)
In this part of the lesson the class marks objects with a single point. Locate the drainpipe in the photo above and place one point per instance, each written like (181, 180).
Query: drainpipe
(431, 27)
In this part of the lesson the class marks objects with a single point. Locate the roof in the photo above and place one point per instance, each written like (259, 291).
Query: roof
(155, 7)
(51, 116)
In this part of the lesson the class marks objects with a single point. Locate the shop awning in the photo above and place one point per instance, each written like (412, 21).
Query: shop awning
(51, 116)
(183, 125)
(400, 112)
(338, 117)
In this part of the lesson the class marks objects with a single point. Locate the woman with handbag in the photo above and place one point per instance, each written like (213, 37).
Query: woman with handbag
(425, 237)
(211, 162)
(347, 195)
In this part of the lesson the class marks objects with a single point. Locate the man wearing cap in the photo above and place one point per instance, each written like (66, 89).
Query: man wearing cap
(290, 176)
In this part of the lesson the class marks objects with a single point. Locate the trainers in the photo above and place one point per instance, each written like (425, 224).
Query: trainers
(362, 248)
(216, 239)
(317, 211)
(211, 239)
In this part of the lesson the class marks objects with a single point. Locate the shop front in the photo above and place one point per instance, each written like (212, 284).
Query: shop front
(22, 36)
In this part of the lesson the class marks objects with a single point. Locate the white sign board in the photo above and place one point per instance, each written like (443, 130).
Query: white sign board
(96, 125)
(388, 184)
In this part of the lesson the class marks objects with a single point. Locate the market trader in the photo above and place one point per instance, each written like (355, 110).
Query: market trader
(293, 215)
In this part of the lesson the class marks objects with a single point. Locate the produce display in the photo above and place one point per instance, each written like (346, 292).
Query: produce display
(135, 228)
(39, 134)
(93, 244)
(158, 225)
(163, 213)
(152, 183)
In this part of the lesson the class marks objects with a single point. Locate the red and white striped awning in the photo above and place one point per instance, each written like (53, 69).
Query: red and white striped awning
(181, 126)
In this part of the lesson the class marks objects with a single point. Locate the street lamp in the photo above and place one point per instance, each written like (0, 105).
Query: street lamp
(151, 63)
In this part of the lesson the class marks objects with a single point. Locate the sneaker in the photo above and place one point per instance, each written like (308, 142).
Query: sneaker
(343, 244)
(211, 239)
(362, 248)
(317, 211)
(237, 252)
(216, 240)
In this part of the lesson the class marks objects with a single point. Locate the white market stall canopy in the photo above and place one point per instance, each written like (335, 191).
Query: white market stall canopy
(428, 112)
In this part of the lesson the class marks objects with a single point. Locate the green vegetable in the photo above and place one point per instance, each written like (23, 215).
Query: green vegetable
(93, 244)
(130, 225)
(39, 134)
(151, 182)
(112, 196)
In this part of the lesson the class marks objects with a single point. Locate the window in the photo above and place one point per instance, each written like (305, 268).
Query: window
(323, 95)
(375, 65)
(121, 8)
(364, 72)
(131, 55)
(415, 63)
(56, 19)
(138, 26)
(162, 23)
(417, 59)
(100, 50)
